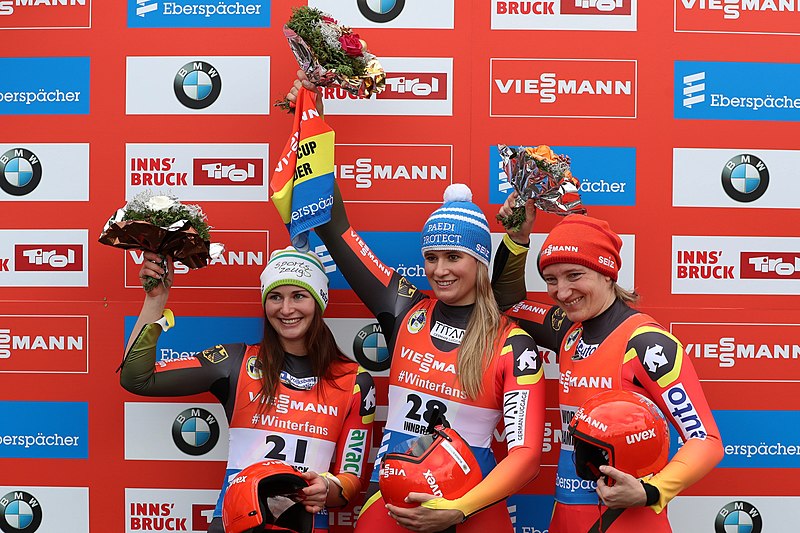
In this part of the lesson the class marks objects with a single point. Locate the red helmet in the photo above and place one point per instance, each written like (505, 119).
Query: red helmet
(622, 429)
(262, 498)
(441, 464)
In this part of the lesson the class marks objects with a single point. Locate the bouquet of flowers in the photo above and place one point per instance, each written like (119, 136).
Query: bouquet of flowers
(332, 54)
(162, 225)
(540, 174)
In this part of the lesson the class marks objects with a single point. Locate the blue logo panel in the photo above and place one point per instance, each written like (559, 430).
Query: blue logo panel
(607, 174)
(757, 439)
(44, 430)
(530, 513)
(44, 86)
(193, 334)
(199, 14)
(398, 250)
(737, 91)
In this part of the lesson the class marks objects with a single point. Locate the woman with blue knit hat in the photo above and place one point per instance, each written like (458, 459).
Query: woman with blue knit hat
(455, 361)
(297, 363)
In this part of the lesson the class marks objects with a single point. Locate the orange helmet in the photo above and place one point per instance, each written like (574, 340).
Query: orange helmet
(441, 464)
(622, 429)
(262, 497)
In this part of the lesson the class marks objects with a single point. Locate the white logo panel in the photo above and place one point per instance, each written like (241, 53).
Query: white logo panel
(44, 258)
(413, 14)
(64, 171)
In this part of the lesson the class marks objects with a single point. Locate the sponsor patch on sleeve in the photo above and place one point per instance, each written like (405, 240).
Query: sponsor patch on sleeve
(660, 354)
(527, 360)
(365, 387)
(382, 272)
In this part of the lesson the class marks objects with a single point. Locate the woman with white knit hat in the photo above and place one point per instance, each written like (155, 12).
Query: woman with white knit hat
(454, 359)
(297, 363)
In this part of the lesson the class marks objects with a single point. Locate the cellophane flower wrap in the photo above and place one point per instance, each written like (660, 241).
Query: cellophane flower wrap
(539, 173)
(163, 225)
(330, 53)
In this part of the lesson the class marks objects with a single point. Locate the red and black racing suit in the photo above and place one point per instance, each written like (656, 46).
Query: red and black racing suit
(311, 423)
(423, 336)
(619, 349)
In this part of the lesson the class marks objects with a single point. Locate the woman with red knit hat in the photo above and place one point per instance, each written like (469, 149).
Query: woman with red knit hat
(603, 343)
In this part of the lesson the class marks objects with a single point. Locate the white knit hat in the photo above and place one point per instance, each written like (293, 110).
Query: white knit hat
(292, 267)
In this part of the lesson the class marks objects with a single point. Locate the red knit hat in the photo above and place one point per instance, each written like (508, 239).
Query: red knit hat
(583, 240)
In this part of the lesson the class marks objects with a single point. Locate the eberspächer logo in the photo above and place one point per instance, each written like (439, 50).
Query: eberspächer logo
(199, 14)
(738, 517)
(21, 513)
(195, 431)
(20, 171)
(197, 85)
(381, 10)
(736, 91)
(745, 178)
(44, 86)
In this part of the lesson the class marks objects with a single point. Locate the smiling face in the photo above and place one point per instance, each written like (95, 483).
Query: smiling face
(290, 311)
(453, 276)
(580, 291)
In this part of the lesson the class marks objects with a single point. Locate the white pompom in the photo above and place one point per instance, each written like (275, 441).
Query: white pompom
(457, 192)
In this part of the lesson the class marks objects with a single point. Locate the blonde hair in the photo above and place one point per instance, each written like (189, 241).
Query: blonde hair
(629, 297)
(483, 328)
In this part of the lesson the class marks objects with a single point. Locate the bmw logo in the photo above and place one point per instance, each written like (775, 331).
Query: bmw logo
(195, 431)
(197, 85)
(20, 171)
(738, 517)
(369, 348)
(745, 178)
(381, 10)
(20, 512)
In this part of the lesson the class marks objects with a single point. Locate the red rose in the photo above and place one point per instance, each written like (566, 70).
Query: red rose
(351, 44)
(329, 20)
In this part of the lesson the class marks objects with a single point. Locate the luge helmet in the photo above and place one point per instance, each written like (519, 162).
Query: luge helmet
(262, 498)
(441, 464)
(622, 429)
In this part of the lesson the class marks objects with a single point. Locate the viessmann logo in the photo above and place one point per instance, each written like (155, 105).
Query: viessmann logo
(414, 86)
(400, 173)
(207, 172)
(587, 88)
(28, 342)
(51, 14)
(238, 267)
(741, 351)
(737, 16)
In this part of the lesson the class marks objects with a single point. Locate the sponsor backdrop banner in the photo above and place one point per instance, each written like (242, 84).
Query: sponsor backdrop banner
(679, 118)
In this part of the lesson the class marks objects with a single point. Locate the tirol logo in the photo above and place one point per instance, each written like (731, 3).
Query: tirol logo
(195, 431)
(770, 265)
(402, 86)
(369, 348)
(405, 173)
(586, 88)
(414, 86)
(198, 172)
(239, 266)
(228, 171)
(737, 16)
(197, 85)
(28, 342)
(41, 14)
(199, 14)
(48, 257)
(745, 178)
(381, 10)
(20, 171)
(736, 517)
(21, 512)
(596, 7)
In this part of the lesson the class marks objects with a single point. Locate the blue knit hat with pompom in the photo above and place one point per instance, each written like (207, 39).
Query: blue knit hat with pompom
(458, 225)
